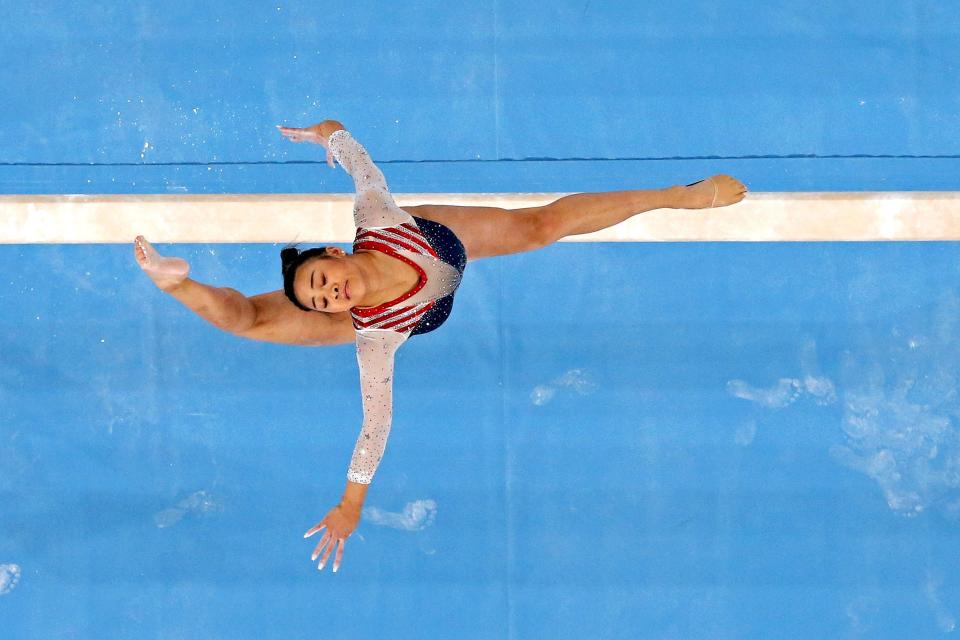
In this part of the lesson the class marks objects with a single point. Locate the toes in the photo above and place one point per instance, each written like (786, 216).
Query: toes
(142, 251)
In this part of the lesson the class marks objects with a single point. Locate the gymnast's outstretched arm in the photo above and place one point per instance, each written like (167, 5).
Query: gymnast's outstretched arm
(373, 207)
(375, 355)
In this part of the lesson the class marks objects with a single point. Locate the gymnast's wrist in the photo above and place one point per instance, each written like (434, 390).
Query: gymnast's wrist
(354, 495)
(329, 127)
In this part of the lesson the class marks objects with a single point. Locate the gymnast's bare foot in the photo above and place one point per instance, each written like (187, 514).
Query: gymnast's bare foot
(717, 191)
(166, 273)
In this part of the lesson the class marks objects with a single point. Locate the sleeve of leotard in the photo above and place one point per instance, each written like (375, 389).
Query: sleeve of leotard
(374, 206)
(375, 354)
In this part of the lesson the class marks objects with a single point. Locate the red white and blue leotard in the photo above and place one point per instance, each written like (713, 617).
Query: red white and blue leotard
(437, 255)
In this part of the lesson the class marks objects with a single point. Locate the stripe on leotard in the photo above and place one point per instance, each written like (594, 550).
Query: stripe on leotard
(390, 315)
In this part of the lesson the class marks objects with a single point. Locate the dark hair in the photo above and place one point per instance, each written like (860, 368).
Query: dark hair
(291, 259)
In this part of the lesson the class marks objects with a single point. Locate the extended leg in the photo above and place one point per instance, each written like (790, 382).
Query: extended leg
(269, 317)
(588, 212)
(492, 231)
(225, 308)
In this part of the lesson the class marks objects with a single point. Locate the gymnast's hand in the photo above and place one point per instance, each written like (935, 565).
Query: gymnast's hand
(339, 523)
(317, 134)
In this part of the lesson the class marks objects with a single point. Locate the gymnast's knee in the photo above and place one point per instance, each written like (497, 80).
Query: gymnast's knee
(543, 227)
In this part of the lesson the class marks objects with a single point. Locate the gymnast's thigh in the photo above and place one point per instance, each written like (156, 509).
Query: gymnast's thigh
(278, 320)
(487, 231)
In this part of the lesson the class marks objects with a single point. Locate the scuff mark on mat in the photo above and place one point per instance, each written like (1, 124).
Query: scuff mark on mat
(576, 379)
(416, 516)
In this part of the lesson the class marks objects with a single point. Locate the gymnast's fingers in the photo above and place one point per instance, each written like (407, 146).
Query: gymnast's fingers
(326, 554)
(319, 527)
(292, 133)
(339, 556)
(327, 537)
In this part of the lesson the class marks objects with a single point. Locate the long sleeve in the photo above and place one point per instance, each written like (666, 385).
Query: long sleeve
(374, 206)
(375, 355)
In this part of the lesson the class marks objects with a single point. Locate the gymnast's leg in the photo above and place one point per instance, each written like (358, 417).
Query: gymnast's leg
(269, 317)
(225, 308)
(491, 231)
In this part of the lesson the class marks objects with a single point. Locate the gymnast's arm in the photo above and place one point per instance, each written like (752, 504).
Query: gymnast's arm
(375, 353)
(349, 153)
(374, 206)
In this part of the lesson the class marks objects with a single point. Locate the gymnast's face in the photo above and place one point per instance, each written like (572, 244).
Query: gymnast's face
(329, 284)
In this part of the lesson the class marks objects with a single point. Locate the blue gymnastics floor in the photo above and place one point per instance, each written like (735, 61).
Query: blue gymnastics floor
(605, 440)
(700, 441)
(176, 96)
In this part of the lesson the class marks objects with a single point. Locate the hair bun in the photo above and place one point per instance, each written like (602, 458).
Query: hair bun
(287, 256)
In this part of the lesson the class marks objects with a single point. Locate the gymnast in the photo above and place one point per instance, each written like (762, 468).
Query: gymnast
(399, 282)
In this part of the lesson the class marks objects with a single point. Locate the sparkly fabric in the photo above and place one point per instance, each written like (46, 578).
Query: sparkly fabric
(439, 259)
(450, 250)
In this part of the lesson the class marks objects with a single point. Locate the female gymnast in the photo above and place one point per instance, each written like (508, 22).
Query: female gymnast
(398, 282)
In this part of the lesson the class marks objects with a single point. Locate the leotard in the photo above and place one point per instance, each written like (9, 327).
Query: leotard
(439, 258)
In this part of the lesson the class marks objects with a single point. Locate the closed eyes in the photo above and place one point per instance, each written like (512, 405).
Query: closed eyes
(323, 278)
